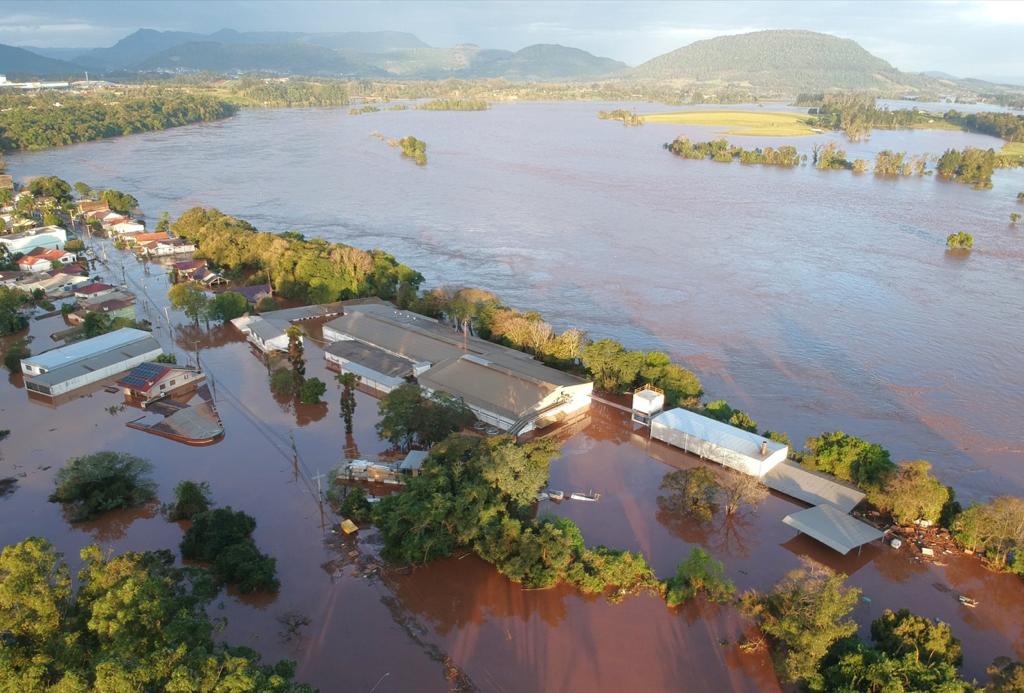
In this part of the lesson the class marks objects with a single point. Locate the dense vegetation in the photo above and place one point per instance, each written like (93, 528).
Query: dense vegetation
(721, 150)
(408, 418)
(478, 493)
(135, 622)
(628, 118)
(36, 122)
(190, 499)
(221, 537)
(961, 240)
(314, 271)
(93, 484)
(615, 369)
(699, 574)
(278, 93)
(971, 165)
(995, 529)
(11, 303)
(455, 105)
(848, 458)
(414, 149)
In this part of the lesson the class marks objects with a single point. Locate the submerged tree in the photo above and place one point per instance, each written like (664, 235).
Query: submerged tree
(296, 355)
(690, 491)
(93, 484)
(348, 382)
(699, 574)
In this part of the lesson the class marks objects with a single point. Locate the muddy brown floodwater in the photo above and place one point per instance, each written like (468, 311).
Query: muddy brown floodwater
(815, 300)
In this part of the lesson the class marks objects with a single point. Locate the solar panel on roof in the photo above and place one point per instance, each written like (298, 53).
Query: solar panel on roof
(143, 374)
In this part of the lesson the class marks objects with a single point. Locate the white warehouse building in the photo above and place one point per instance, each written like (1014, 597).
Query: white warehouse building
(710, 439)
(58, 371)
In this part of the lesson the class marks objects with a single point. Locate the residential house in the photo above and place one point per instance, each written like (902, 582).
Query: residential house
(186, 268)
(42, 259)
(92, 206)
(10, 278)
(116, 304)
(40, 237)
(94, 290)
(208, 277)
(129, 226)
(152, 237)
(6, 182)
(263, 334)
(253, 294)
(170, 246)
(149, 382)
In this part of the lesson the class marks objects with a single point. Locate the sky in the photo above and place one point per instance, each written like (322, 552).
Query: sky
(967, 39)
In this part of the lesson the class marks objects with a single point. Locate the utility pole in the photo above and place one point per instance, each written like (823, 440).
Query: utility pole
(195, 344)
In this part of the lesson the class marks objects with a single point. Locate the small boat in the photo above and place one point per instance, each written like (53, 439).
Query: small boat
(591, 497)
(542, 497)
(556, 495)
(967, 601)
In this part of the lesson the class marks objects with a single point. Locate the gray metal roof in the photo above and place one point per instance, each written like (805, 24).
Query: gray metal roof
(97, 362)
(414, 460)
(264, 329)
(810, 487)
(716, 432)
(371, 357)
(487, 385)
(833, 528)
(87, 348)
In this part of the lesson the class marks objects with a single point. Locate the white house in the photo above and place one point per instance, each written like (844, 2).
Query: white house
(262, 333)
(128, 226)
(41, 260)
(41, 237)
(170, 246)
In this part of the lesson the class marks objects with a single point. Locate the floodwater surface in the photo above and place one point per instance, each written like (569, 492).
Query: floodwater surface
(814, 300)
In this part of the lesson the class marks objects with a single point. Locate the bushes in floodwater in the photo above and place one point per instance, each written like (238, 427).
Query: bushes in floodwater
(190, 499)
(699, 574)
(961, 240)
(93, 484)
(222, 538)
(414, 149)
(721, 150)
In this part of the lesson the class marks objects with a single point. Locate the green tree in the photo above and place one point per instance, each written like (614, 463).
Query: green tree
(690, 491)
(679, 385)
(995, 528)
(16, 351)
(296, 355)
(166, 358)
(118, 201)
(699, 574)
(740, 489)
(74, 245)
(961, 240)
(267, 304)
(409, 419)
(189, 298)
(1014, 217)
(311, 390)
(848, 458)
(83, 190)
(1007, 676)
(611, 366)
(227, 305)
(11, 318)
(163, 223)
(190, 499)
(93, 484)
(136, 622)
(911, 493)
(805, 614)
(50, 186)
(348, 382)
(222, 536)
(282, 382)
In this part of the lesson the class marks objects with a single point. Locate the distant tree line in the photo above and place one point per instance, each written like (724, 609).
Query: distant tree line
(287, 93)
(37, 122)
(455, 105)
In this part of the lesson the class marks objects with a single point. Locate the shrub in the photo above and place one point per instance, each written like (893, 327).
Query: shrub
(354, 504)
(228, 306)
(267, 304)
(848, 458)
(911, 493)
(166, 358)
(282, 382)
(691, 491)
(190, 499)
(311, 391)
(961, 240)
(17, 351)
(93, 484)
(699, 574)
(74, 245)
(222, 537)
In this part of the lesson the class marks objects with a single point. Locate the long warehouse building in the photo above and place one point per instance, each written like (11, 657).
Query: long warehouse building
(505, 388)
(61, 370)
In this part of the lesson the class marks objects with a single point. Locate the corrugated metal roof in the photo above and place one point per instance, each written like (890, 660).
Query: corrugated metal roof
(716, 432)
(489, 387)
(414, 460)
(809, 487)
(87, 348)
(264, 329)
(833, 528)
(96, 362)
(371, 357)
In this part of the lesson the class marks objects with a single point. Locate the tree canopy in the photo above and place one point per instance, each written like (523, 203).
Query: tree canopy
(136, 622)
(408, 418)
(93, 484)
(848, 458)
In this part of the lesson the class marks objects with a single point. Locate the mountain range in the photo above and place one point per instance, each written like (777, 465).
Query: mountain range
(775, 61)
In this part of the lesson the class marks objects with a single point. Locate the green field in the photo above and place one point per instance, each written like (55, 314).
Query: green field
(765, 123)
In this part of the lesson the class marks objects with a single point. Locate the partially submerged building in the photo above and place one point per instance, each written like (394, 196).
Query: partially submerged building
(719, 442)
(58, 371)
(149, 382)
(267, 332)
(503, 387)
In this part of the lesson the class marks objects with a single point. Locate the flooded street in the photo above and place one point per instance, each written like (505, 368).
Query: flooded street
(813, 300)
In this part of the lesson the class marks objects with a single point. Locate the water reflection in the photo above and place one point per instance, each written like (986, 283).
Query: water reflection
(113, 525)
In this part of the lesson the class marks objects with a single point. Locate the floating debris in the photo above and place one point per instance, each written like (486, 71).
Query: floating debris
(967, 601)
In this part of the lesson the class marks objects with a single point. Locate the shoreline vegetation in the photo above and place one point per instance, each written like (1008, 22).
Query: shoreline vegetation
(628, 118)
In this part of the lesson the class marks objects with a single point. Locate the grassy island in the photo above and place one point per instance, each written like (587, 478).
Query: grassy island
(765, 123)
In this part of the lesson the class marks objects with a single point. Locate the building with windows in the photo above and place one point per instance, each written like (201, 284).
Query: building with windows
(149, 382)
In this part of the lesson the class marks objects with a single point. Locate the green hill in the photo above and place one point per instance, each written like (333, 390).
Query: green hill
(16, 63)
(281, 58)
(789, 61)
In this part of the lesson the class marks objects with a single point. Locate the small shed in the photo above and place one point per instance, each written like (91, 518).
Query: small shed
(413, 462)
(647, 402)
(710, 439)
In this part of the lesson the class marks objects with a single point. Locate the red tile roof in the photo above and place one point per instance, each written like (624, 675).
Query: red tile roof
(155, 236)
(93, 288)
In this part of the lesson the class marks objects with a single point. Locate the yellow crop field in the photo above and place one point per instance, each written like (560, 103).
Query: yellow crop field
(765, 123)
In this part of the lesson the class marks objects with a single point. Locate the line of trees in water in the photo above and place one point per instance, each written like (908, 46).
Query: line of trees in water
(628, 118)
(857, 114)
(37, 121)
(455, 105)
(970, 165)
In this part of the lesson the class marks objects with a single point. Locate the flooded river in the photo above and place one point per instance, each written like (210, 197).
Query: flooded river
(814, 300)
